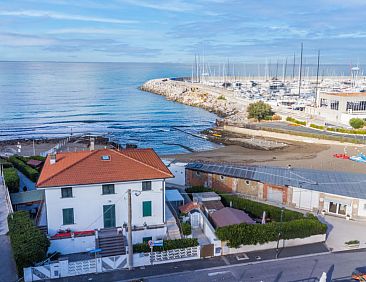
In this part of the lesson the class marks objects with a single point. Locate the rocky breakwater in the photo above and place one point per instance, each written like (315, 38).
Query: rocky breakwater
(197, 95)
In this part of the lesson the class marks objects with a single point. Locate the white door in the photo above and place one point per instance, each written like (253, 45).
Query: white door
(274, 195)
(195, 219)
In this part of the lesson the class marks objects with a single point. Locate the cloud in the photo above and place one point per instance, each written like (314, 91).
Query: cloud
(172, 5)
(20, 40)
(93, 31)
(61, 16)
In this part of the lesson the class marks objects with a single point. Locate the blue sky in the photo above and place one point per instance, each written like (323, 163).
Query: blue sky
(248, 31)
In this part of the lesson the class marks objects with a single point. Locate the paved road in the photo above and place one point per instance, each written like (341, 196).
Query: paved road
(197, 265)
(303, 129)
(338, 267)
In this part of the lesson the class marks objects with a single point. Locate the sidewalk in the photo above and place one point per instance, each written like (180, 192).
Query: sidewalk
(191, 265)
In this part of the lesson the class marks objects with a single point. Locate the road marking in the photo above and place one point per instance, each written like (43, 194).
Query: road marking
(217, 273)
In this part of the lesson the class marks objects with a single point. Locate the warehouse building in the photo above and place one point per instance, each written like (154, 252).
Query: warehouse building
(334, 193)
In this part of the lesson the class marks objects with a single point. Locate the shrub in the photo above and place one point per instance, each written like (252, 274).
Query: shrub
(252, 234)
(186, 228)
(256, 209)
(356, 123)
(29, 244)
(352, 242)
(317, 126)
(11, 179)
(259, 110)
(28, 171)
(221, 97)
(293, 120)
(168, 245)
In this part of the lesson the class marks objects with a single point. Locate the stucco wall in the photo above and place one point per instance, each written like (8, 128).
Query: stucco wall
(72, 245)
(88, 201)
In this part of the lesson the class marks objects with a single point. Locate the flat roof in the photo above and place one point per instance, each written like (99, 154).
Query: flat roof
(173, 196)
(351, 185)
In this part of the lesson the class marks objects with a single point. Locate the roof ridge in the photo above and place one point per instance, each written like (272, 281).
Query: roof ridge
(119, 152)
(66, 168)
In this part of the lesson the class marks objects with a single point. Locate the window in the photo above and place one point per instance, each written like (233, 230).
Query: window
(222, 177)
(108, 189)
(247, 182)
(146, 185)
(334, 105)
(198, 173)
(68, 216)
(66, 192)
(146, 208)
(106, 158)
(146, 239)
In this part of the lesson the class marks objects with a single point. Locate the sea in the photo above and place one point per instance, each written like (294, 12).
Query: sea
(48, 99)
(56, 99)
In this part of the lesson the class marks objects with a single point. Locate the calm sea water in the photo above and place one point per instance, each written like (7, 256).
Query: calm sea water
(39, 99)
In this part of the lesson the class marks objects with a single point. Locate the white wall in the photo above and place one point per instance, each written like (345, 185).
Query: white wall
(179, 172)
(88, 201)
(273, 245)
(305, 199)
(156, 234)
(72, 245)
(362, 208)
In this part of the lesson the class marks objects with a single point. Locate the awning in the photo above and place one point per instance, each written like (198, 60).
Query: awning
(173, 196)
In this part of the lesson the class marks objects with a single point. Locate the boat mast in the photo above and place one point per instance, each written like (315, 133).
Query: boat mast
(284, 71)
(293, 67)
(300, 70)
(317, 80)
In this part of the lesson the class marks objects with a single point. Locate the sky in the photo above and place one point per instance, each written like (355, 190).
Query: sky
(247, 31)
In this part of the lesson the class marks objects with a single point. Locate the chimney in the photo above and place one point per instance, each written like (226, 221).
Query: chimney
(92, 144)
(52, 159)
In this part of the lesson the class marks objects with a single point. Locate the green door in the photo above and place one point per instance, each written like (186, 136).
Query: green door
(109, 215)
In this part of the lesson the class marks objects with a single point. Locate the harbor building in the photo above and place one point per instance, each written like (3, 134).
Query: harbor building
(340, 107)
(334, 193)
(86, 199)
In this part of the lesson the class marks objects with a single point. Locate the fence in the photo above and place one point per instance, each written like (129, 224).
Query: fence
(64, 268)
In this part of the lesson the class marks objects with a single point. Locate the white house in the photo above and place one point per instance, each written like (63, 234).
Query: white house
(86, 198)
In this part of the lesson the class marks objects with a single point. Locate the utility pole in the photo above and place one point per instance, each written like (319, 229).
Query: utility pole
(279, 235)
(34, 149)
(129, 236)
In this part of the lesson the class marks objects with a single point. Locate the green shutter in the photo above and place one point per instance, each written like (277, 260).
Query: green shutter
(146, 208)
(68, 216)
(109, 215)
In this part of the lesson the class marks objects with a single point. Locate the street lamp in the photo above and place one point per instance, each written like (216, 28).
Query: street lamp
(279, 234)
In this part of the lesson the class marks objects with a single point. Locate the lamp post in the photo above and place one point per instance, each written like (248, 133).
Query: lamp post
(279, 235)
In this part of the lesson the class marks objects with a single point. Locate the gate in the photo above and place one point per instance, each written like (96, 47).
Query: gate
(207, 251)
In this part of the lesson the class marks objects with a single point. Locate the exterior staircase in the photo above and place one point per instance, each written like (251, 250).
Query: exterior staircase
(173, 231)
(111, 242)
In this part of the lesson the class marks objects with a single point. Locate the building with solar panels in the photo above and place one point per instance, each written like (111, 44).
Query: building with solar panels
(335, 193)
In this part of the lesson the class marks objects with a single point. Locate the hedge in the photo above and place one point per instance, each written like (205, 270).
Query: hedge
(11, 179)
(290, 119)
(322, 127)
(168, 245)
(186, 228)
(29, 244)
(28, 171)
(256, 209)
(252, 234)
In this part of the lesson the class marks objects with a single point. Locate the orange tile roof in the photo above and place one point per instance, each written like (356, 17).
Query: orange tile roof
(87, 167)
(189, 206)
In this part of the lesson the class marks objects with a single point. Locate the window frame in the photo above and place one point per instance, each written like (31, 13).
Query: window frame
(144, 207)
(144, 188)
(64, 216)
(146, 239)
(108, 186)
(66, 189)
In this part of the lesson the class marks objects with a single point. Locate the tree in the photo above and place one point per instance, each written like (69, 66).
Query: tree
(356, 123)
(259, 110)
(186, 229)
(30, 245)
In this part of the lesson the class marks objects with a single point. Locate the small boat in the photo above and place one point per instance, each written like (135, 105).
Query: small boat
(360, 158)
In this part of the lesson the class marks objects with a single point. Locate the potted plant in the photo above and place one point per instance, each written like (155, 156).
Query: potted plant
(348, 217)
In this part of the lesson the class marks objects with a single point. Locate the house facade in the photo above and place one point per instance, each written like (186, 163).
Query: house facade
(335, 193)
(87, 193)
